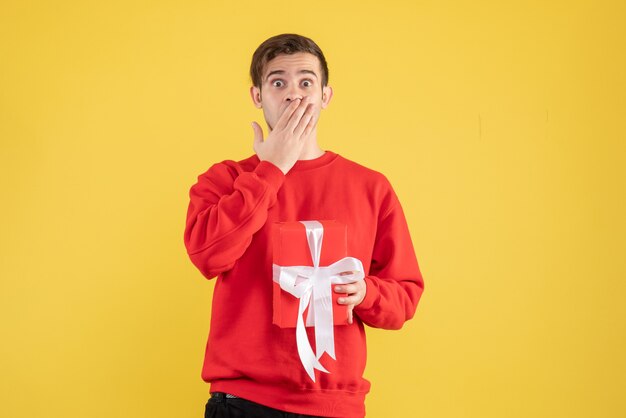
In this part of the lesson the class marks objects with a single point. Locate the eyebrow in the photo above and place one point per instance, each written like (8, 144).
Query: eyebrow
(283, 71)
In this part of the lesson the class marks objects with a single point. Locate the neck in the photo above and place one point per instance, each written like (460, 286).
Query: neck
(311, 149)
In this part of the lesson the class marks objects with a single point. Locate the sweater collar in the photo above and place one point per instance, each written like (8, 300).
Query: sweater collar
(322, 160)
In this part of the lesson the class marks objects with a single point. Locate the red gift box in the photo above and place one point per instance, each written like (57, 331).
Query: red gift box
(291, 248)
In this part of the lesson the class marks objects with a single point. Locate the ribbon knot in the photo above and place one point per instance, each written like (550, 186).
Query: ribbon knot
(313, 284)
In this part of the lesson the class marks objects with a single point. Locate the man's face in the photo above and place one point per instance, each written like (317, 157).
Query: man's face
(286, 78)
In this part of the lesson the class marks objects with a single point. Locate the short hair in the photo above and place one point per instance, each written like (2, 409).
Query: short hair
(286, 43)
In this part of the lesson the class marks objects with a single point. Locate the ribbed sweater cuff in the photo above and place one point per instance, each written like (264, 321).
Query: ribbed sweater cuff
(271, 174)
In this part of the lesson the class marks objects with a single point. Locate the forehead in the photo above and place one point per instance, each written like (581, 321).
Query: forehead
(293, 63)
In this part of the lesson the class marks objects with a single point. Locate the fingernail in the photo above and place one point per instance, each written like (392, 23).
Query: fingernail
(338, 288)
(341, 300)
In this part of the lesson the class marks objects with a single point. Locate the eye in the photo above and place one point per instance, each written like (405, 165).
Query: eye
(276, 81)
(308, 81)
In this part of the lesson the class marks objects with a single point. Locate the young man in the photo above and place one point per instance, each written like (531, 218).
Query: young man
(257, 368)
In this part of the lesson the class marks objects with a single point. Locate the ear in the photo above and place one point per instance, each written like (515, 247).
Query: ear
(327, 94)
(255, 93)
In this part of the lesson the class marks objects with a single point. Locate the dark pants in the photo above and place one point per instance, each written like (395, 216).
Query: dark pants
(219, 406)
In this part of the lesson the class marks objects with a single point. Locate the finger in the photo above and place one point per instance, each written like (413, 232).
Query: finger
(304, 121)
(346, 288)
(350, 314)
(284, 118)
(297, 115)
(258, 135)
(311, 125)
(349, 300)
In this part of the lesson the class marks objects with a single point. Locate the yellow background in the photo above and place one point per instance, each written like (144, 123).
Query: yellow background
(501, 127)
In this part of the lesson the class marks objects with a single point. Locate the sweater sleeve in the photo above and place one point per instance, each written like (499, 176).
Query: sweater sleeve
(226, 208)
(394, 283)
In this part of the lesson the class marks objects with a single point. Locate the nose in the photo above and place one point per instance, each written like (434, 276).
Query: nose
(295, 96)
(294, 92)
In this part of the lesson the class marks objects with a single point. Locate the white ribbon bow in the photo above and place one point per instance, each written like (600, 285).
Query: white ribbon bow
(306, 282)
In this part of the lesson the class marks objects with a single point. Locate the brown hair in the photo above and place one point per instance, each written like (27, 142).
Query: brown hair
(286, 43)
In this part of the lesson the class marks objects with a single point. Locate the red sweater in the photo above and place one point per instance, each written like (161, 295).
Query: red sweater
(232, 207)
